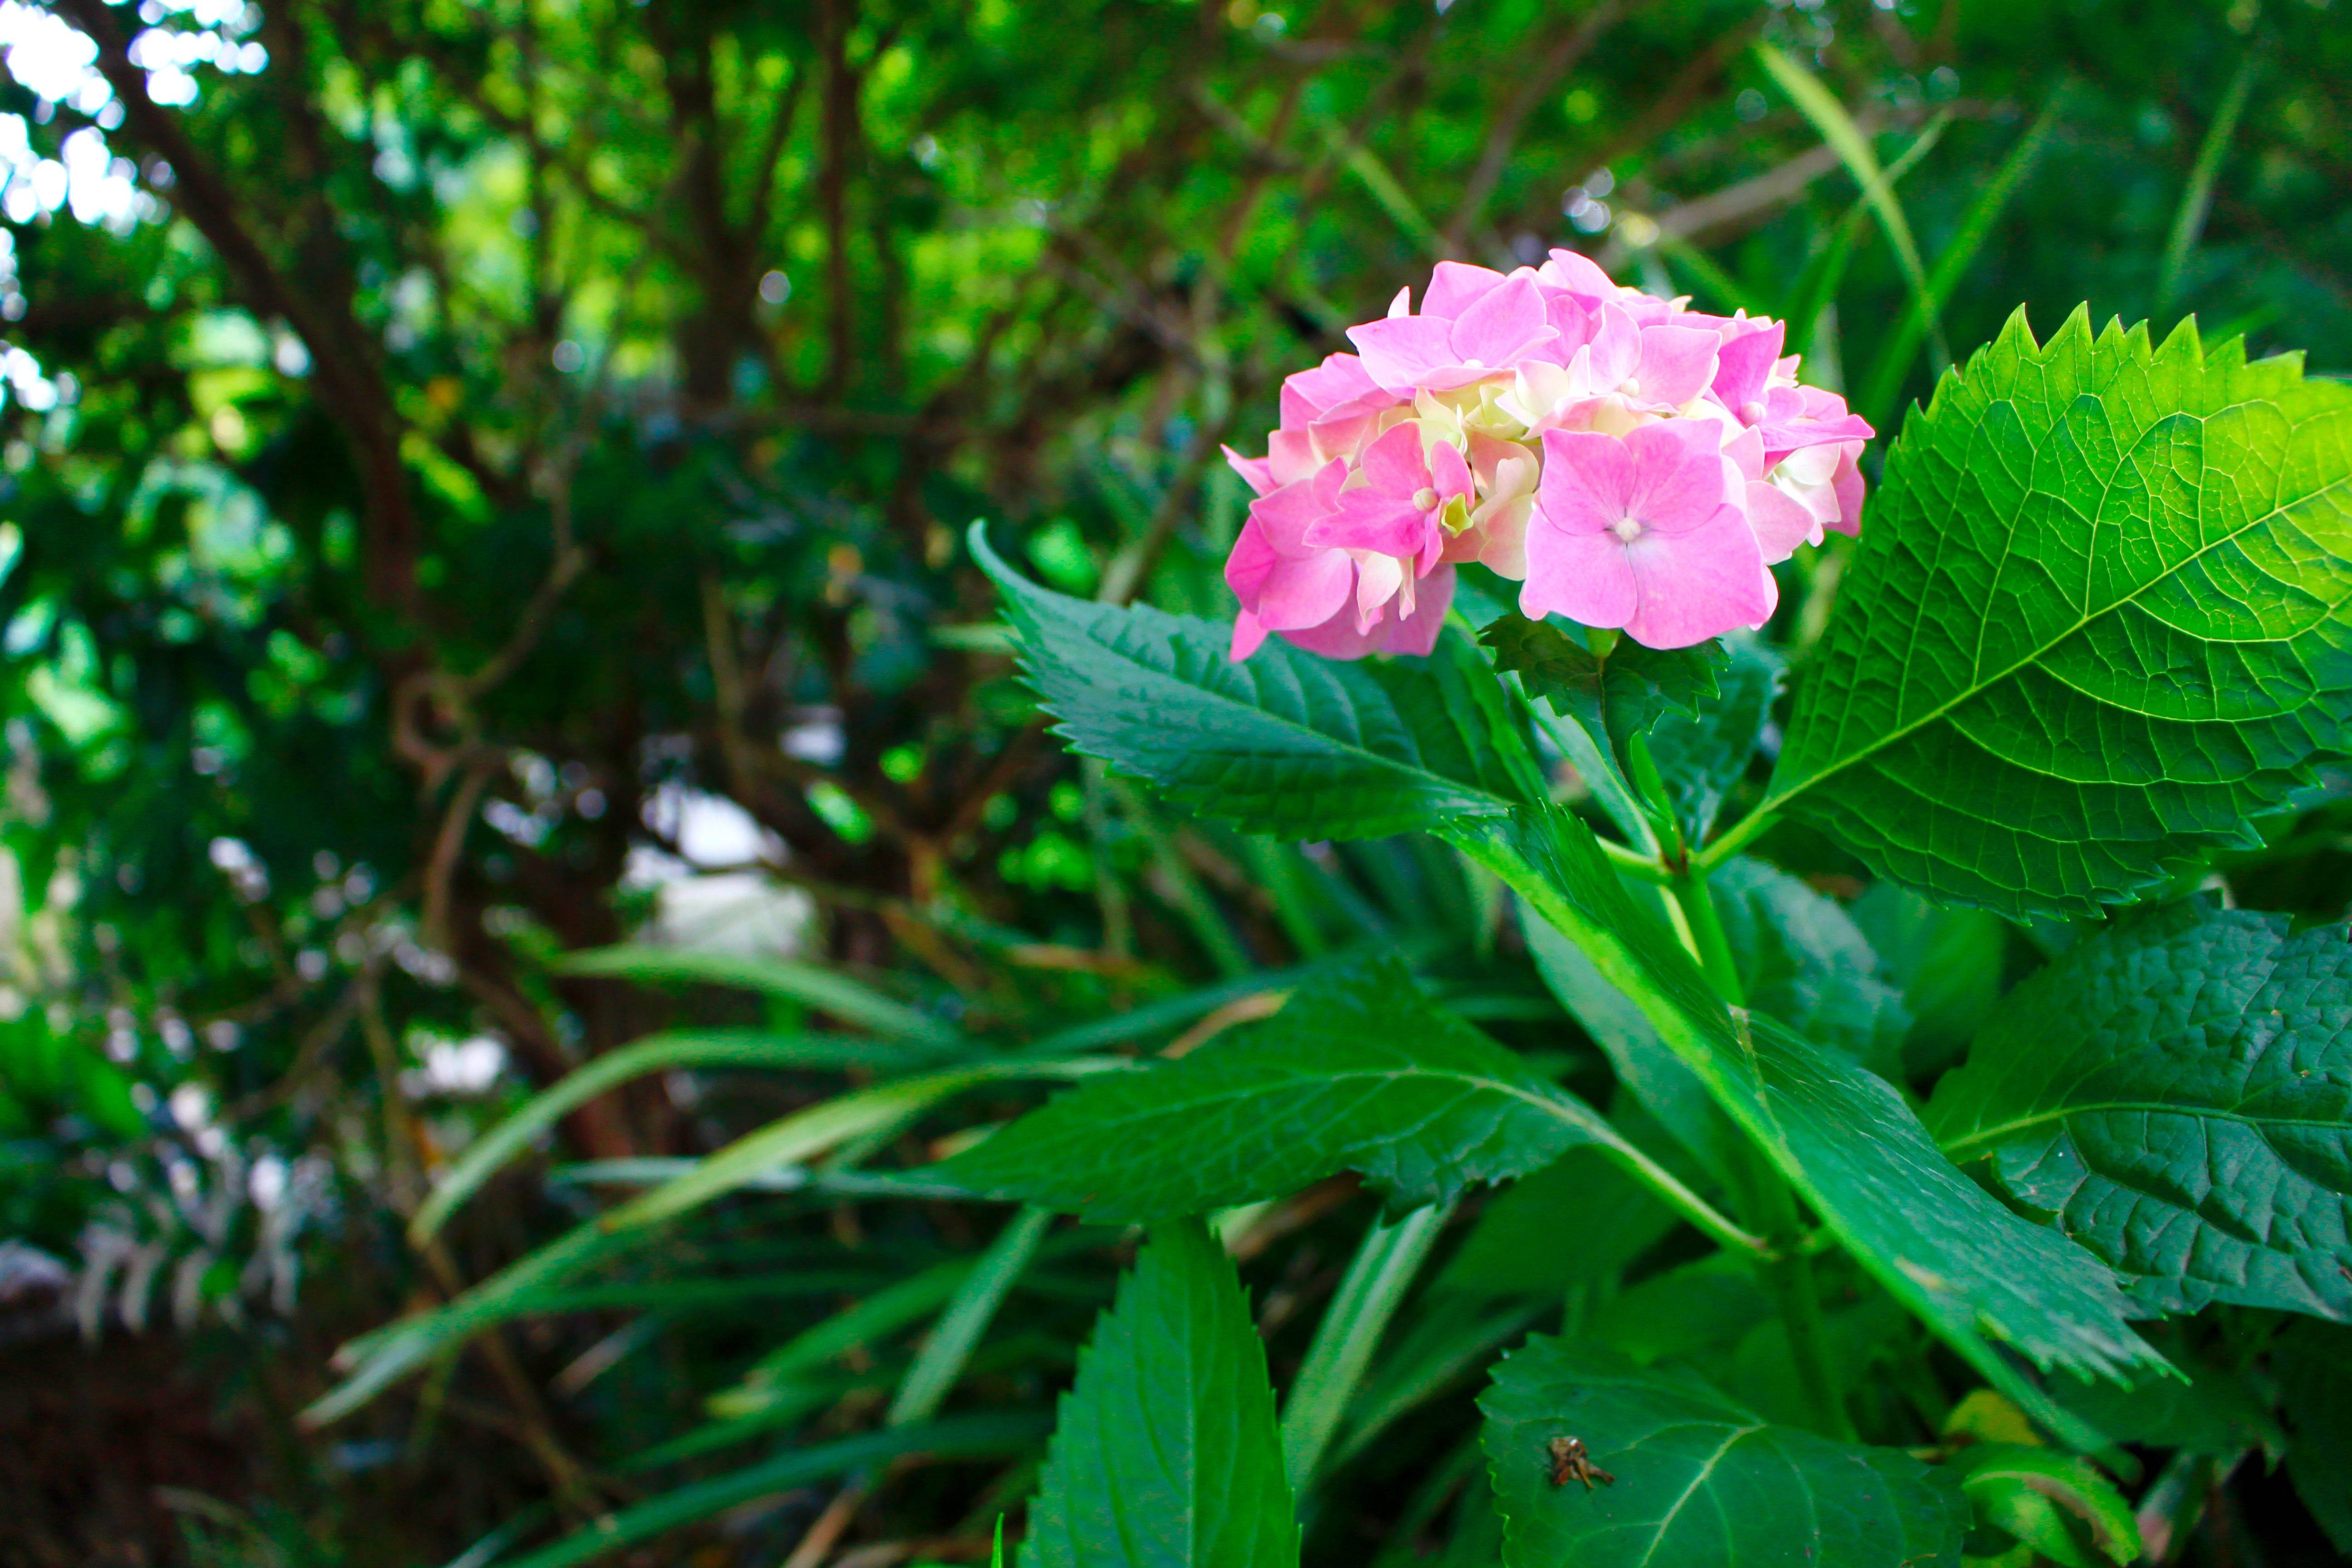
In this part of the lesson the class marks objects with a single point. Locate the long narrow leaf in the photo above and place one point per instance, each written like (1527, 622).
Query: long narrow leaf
(819, 987)
(660, 1052)
(1818, 285)
(1368, 1295)
(941, 1360)
(1818, 104)
(2197, 199)
(1894, 359)
(958, 1438)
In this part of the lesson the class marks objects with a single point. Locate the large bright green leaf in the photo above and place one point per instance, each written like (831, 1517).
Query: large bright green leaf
(1284, 743)
(1843, 1137)
(2098, 618)
(1166, 1454)
(1700, 1481)
(1358, 1072)
(2178, 1091)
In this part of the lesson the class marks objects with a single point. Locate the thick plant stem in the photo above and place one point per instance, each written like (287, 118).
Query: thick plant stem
(1791, 1273)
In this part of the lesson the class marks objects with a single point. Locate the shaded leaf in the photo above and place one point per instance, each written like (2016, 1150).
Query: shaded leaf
(1700, 1481)
(1165, 1453)
(1615, 697)
(2054, 1502)
(2314, 1362)
(1945, 958)
(2178, 1091)
(1358, 1072)
(1578, 1220)
(1286, 742)
(2100, 616)
(1702, 756)
(1804, 962)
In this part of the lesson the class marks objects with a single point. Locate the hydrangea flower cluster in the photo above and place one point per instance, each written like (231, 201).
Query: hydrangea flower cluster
(1632, 463)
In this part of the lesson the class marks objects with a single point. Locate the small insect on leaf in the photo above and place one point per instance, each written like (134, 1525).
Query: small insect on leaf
(1569, 1462)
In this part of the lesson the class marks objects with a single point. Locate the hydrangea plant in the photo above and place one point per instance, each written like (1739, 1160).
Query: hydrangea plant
(2093, 631)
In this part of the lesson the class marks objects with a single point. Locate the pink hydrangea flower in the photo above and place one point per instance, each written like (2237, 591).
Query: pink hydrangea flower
(1633, 463)
(1640, 533)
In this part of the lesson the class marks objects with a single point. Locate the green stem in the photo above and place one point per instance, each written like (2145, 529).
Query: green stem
(1790, 1279)
(1736, 838)
(1709, 944)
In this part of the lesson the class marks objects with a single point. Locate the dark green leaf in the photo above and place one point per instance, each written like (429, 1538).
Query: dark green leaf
(2101, 614)
(2315, 1371)
(1700, 1481)
(2178, 1091)
(1946, 959)
(1685, 1311)
(1702, 757)
(2207, 1410)
(1579, 1220)
(1615, 697)
(1286, 742)
(1358, 1072)
(1166, 1454)
(1805, 962)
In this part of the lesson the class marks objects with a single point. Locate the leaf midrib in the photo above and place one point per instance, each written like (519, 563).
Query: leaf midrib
(1778, 798)
(2003, 1131)
(1497, 806)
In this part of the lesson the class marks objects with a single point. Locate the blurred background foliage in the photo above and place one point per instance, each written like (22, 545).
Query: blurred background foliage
(484, 479)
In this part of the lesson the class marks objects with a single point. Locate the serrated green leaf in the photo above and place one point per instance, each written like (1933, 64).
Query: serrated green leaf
(1165, 1453)
(2055, 1503)
(1615, 697)
(1700, 1481)
(1703, 755)
(1844, 1139)
(1286, 742)
(2100, 616)
(1358, 1072)
(2178, 1091)
(1804, 962)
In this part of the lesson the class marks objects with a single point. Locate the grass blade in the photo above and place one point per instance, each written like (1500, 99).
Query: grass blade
(1894, 361)
(819, 987)
(1818, 104)
(1817, 286)
(2196, 201)
(941, 1360)
(1369, 1295)
(658, 1053)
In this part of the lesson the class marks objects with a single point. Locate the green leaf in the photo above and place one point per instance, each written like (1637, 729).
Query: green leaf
(1844, 1139)
(1947, 959)
(1358, 1072)
(1615, 696)
(2314, 1362)
(2207, 1411)
(1700, 1481)
(1286, 742)
(2054, 1502)
(1702, 756)
(1369, 1295)
(1579, 1220)
(1166, 1454)
(2178, 1091)
(1804, 962)
(2100, 616)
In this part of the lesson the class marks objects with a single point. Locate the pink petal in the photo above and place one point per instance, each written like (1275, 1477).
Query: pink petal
(1699, 583)
(1455, 287)
(1449, 474)
(1255, 472)
(1676, 363)
(1585, 576)
(1615, 348)
(1249, 635)
(1588, 480)
(1780, 523)
(1497, 329)
(1402, 304)
(1392, 466)
(1378, 578)
(1743, 365)
(1251, 561)
(1312, 394)
(1367, 520)
(1580, 273)
(1337, 637)
(1305, 593)
(1286, 514)
(1677, 480)
(1417, 632)
(1291, 456)
(1847, 483)
(1401, 351)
